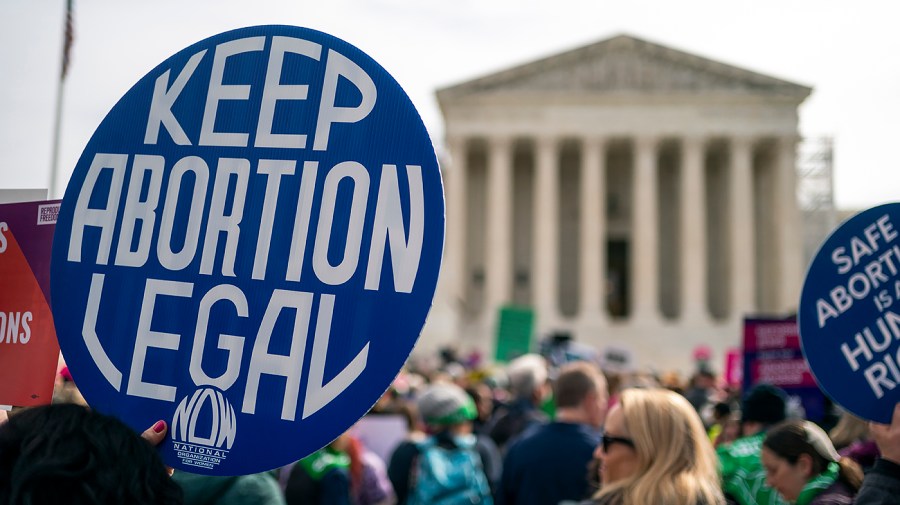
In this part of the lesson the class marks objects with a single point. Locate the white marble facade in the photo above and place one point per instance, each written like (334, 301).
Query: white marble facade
(632, 194)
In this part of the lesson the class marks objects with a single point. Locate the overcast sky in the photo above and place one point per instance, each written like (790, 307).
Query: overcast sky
(846, 51)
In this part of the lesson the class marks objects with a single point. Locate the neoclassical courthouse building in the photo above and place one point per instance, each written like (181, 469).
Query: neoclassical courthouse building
(633, 195)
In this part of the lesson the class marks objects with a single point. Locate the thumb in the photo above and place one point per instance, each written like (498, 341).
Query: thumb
(156, 433)
(879, 429)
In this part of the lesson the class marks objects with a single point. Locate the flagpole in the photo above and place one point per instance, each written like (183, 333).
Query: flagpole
(51, 194)
(57, 122)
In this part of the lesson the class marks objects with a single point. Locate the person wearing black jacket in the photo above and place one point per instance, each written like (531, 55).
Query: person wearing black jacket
(881, 485)
(550, 462)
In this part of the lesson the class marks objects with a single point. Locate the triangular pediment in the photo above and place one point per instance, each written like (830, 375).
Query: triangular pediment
(626, 64)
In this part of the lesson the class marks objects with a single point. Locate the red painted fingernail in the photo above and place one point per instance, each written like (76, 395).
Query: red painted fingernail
(159, 426)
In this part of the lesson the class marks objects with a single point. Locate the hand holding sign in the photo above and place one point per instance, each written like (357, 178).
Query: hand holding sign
(850, 314)
(887, 436)
(249, 243)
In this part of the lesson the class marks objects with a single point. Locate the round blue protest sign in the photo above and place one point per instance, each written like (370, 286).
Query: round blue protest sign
(248, 248)
(850, 314)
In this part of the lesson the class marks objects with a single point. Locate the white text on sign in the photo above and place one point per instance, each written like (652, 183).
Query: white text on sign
(3, 240)
(883, 263)
(336, 66)
(15, 327)
(876, 281)
(161, 194)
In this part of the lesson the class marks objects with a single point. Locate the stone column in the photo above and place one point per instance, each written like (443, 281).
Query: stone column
(790, 233)
(694, 250)
(546, 234)
(456, 218)
(499, 223)
(593, 231)
(645, 234)
(742, 229)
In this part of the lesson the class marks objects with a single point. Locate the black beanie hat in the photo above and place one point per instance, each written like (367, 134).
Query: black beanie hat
(765, 404)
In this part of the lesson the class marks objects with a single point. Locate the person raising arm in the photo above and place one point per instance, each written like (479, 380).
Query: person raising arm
(882, 484)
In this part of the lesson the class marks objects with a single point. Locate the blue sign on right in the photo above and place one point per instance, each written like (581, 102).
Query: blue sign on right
(850, 314)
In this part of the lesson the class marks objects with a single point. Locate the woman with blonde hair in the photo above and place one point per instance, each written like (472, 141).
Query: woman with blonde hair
(655, 450)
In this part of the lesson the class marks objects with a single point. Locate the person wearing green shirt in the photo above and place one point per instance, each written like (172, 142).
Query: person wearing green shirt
(743, 476)
(321, 478)
(805, 468)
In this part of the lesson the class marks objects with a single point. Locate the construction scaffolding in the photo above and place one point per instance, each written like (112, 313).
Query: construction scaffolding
(815, 191)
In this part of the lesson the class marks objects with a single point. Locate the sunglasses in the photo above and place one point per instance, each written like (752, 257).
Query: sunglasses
(607, 440)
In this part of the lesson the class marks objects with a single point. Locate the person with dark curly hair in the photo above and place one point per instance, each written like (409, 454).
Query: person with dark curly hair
(70, 454)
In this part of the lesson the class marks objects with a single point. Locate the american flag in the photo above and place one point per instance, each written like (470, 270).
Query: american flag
(68, 39)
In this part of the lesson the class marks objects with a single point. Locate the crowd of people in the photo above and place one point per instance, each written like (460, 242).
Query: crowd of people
(535, 431)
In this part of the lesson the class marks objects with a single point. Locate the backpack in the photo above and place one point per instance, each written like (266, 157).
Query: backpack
(449, 476)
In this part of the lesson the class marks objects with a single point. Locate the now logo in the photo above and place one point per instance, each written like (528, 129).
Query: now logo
(222, 422)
